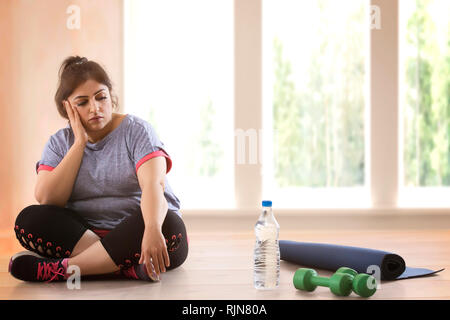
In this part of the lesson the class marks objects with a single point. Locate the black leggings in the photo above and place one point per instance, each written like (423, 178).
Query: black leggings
(56, 231)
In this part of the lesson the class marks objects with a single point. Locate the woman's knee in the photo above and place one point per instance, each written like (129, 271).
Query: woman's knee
(174, 231)
(22, 229)
(28, 225)
(33, 216)
(178, 255)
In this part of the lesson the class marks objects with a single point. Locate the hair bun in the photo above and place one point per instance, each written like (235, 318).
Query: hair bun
(80, 60)
(72, 61)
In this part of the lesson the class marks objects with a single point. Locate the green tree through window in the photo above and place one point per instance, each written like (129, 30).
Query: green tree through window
(320, 121)
(426, 58)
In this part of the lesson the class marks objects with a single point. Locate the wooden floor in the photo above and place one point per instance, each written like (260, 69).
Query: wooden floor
(219, 267)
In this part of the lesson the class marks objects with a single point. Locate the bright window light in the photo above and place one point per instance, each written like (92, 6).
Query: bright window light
(179, 77)
(315, 96)
(424, 100)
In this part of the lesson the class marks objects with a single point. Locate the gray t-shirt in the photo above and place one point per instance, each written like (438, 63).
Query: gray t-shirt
(106, 189)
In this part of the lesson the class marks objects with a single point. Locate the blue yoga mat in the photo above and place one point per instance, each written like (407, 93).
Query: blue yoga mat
(332, 257)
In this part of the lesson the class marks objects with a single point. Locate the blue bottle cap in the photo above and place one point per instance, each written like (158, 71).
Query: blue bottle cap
(267, 203)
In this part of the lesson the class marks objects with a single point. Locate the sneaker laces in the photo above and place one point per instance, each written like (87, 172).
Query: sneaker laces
(50, 271)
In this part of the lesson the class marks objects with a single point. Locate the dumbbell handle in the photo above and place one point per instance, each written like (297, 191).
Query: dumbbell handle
(320, 281)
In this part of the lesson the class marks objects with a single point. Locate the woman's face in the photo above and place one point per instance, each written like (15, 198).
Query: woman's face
(93, 102)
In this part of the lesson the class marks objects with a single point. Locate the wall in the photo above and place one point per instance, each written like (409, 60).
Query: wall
(34, 40)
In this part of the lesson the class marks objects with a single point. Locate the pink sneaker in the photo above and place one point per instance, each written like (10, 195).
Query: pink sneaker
(32, 267)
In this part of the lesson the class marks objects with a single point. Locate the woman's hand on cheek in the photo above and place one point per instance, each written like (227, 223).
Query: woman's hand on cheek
(75, 122)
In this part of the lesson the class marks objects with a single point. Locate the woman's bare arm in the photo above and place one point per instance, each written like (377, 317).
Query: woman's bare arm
(54, 187)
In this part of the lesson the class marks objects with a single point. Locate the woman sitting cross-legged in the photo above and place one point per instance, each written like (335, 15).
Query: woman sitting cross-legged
(105, 204)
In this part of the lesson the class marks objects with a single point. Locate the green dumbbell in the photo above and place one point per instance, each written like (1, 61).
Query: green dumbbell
(307, 279)
(360, 282)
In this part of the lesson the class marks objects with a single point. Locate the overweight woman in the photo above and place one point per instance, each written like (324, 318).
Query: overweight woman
(105, 204)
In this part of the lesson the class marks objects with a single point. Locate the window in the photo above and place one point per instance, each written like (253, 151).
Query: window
(179, 77)
(425, 102)
(337, 130)
(315, 83)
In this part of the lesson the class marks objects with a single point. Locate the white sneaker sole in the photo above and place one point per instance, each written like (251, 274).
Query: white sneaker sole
(26, 252)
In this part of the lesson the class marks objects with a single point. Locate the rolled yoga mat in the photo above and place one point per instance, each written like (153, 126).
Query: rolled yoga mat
(332, 257)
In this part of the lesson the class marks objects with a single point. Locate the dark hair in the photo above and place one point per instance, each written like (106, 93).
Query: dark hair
(73, 72)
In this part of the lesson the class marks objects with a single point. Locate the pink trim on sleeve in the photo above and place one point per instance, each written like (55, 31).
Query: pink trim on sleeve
(153, 155)
(44, 167)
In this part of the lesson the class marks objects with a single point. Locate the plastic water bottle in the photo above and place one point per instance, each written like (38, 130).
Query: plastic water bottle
(266, 272)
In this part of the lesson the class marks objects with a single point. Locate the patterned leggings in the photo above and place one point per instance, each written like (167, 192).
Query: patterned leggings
(53, 231)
